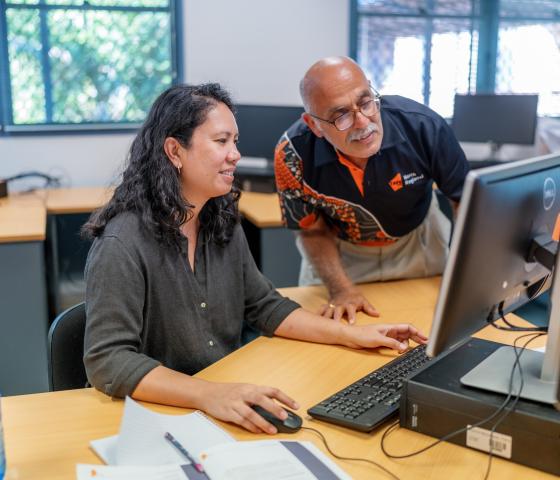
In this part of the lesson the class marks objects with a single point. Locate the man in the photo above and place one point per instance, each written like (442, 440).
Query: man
(355, 177)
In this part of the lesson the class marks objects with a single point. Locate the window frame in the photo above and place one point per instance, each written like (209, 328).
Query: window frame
(7, 126)
(489, 19)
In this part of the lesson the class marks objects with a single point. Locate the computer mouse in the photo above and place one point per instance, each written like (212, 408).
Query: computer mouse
(291, 425)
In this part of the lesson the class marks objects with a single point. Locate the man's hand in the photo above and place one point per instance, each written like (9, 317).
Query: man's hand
(391, 336)
(232, 402)
(347, 303)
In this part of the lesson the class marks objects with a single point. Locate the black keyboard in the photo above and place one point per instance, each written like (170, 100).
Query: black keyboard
(374, 398)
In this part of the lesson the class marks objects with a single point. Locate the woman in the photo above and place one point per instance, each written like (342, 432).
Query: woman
(171, 281)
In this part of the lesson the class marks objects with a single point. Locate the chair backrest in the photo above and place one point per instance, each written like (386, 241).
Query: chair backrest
(66, 349)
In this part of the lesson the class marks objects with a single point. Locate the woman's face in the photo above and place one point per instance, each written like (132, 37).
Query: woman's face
(208, 164)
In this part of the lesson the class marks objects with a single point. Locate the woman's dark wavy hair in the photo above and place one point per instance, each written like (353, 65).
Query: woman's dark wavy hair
(151, 186)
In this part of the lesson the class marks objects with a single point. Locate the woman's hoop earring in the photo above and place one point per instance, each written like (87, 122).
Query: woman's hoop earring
(179, 168)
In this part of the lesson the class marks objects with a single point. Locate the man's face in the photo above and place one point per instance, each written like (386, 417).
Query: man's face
(346, 91)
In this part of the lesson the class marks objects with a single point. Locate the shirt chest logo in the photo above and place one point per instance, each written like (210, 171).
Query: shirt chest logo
(399, 181)
(396, 183)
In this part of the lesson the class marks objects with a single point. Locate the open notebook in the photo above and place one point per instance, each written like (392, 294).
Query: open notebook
(140, 451)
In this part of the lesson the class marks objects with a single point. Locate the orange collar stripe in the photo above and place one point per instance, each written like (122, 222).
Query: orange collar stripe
(356, 172)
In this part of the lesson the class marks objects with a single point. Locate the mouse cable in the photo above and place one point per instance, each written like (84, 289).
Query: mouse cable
(391, 428)
(352, 459)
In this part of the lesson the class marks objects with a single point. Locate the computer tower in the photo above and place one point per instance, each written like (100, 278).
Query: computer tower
(435, 403)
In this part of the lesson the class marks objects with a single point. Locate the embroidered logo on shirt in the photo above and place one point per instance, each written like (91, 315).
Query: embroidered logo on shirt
(396, 183)
(399, 181)
(412, 178)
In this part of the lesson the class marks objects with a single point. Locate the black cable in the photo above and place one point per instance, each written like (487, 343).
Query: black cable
(507, 411)
(511, 327)
(511, 409)
(498, 411)
(50, 181)
(393, 426)
(353, 459)
(517, 328)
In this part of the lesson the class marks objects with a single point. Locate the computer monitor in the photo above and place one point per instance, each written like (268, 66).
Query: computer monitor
(261, 126)
(507, 218)
(495, 119)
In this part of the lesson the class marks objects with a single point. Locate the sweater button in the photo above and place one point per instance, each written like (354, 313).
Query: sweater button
(211, 343)
(203, 305)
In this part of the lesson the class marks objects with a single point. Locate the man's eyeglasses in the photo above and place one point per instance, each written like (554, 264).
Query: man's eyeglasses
(347, 119)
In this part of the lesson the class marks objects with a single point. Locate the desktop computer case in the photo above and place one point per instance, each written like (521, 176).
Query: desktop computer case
(435, 403)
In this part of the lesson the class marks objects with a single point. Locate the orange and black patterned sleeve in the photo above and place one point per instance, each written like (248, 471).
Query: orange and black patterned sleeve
(298, 209)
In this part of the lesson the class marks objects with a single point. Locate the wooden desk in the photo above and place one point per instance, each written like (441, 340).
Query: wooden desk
(77, 200)
(261, 209)
(22, 219)
(47, 434)
(23, 350)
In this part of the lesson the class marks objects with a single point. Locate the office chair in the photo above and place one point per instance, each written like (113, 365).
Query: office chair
(66, 349)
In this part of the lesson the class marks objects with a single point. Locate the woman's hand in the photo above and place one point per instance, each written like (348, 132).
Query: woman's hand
(232, 402)
(382, 335)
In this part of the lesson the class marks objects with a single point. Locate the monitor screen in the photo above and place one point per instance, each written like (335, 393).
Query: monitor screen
(261, 126)
(497, 119)
(490, 269)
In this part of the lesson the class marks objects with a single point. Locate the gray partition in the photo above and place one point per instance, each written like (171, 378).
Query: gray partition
(275, 253)
(23, 318)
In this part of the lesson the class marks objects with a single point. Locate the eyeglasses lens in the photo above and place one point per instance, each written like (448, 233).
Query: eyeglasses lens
(369, 108)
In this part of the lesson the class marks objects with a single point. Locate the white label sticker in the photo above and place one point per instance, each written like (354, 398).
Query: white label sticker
(479, 438)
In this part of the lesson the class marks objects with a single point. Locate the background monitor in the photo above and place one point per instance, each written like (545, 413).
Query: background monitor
(497, 119)
(260, 127)
(503, 209)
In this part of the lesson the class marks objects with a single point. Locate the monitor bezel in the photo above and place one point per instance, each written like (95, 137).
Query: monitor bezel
(440, 340)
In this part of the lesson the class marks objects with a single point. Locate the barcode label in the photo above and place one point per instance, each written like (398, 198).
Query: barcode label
(479, 438)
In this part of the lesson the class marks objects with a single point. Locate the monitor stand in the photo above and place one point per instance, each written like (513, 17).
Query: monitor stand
(494, 373)
(541, 372)
(489, 161)
(494, 149)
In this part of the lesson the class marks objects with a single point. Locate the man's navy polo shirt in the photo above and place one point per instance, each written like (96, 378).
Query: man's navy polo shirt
(418, 148)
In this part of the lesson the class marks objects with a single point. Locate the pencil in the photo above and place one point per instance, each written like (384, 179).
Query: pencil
(173, 441)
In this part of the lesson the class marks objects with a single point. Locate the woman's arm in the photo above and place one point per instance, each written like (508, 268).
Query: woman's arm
(304, 325)
(230, 402)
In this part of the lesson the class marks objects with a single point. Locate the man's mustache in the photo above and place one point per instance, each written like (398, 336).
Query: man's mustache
(363, 132)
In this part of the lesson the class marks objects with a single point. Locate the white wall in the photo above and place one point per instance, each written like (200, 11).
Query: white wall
(259, 49)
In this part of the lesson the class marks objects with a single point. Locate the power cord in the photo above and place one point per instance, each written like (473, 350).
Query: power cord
(353, 459)
(510, 326)
(510, 409)
(50, 181)
(391, 428)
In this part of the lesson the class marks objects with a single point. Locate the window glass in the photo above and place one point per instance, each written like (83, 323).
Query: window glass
(104, 63)
(416, 7)
(520, 70)
(391, 52)
(429, 50)
(24, 51)
(452, 64)
(130, 3)
(112, 3)
(107, 66)
(24, 2)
